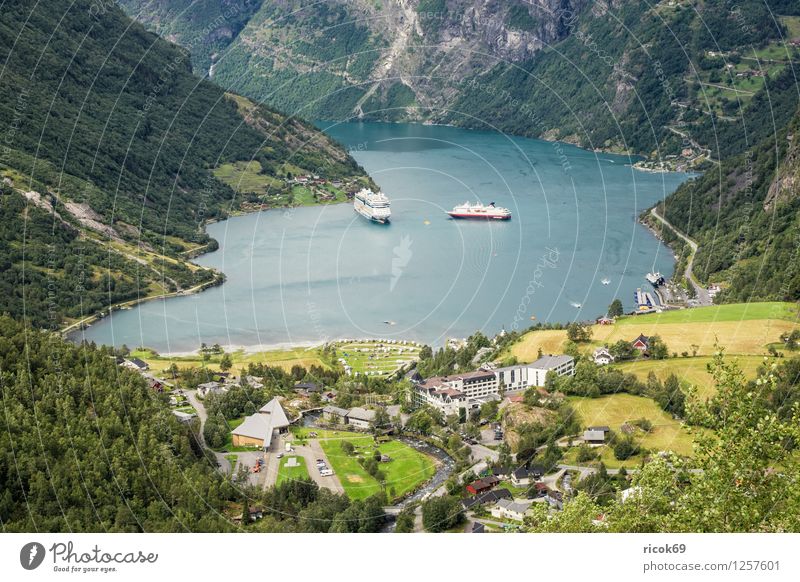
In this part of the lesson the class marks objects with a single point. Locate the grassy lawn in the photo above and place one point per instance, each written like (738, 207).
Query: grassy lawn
(527, 348)
(407, 469)
(792, 24)
(616, 409)
(741, 328)
(690, 370)
(285, 359)
(747, 336)
(714, 313)
(292, 473)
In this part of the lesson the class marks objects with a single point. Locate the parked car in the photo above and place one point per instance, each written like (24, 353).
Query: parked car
(280, 455)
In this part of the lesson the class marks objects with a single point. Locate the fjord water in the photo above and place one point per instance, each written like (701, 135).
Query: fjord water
(311, 274)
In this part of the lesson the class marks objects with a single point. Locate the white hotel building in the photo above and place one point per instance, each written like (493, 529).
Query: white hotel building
(471, 389)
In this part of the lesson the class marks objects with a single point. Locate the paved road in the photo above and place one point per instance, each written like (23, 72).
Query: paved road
(701, 293)
(191, 396)
(480, 452)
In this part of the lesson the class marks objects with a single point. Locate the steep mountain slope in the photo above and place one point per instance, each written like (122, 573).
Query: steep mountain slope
(109, 137)
(666, 78)
(745, 216)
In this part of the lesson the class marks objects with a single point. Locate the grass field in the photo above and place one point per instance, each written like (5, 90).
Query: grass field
(292, 473)
(691, 370)
(714, 313)
(247, 177)
(617, 409)
(405, 472)
(285, 359)
(746, 329)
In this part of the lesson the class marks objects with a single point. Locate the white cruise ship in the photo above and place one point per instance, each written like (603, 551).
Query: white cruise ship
(372, 205)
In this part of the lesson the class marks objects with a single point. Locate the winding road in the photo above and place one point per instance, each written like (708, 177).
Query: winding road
(701, 293)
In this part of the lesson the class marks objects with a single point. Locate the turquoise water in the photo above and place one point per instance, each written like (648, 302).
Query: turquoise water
(312, 274)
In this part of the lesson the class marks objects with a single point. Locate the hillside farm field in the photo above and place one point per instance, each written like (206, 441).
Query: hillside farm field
(742, 329)
(615, 410)
(285, 359)
(405, 472)
(691, 370)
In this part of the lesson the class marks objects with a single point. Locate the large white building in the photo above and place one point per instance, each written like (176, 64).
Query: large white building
(470, 390)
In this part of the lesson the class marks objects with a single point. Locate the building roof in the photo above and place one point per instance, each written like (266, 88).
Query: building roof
(335, 410)
(594, 435)
(274, 409)
(487, 497)
(256, 426)
(141, 364)
(263, 423)
(308, 386)
(603, 428)
(515, 506)
(476, 375)
(550, 362)
(643, 339)
(361, 414)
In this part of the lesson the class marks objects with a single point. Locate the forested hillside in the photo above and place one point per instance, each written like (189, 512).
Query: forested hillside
(745, 216)
(87, 446)
(109, 137)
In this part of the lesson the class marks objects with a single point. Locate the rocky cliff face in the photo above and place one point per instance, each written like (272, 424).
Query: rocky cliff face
(395, 59)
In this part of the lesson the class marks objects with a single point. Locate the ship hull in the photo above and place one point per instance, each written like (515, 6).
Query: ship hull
(371, 218)
(468, 216)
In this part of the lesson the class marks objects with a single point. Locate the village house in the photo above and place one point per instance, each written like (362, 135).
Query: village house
(511, 509)
(184, 416)
(258, 429)
(334, 414)
(207, 388)
(307, 388)
(482, 485)
(252, 381)
(360, 418)
(487, 497)
(595, 435)
(641, 343)
(135, 364)
(555, 499)
(524, 476)
(602, 357)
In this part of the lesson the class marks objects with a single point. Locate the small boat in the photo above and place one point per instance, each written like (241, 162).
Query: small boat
(606, 281)
(577, 305)
(655, 279)
(390, 322)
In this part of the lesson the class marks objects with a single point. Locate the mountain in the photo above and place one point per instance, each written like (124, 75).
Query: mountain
(745, 217)
(693, 85)
(684, 78)
(114, 155)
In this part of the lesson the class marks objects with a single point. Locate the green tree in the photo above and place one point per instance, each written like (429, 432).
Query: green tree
(615, 309)
(441, 513)
(579, 332)
(226, 363)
